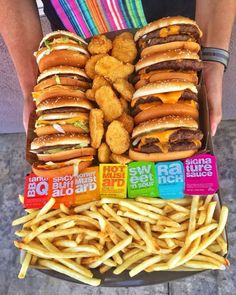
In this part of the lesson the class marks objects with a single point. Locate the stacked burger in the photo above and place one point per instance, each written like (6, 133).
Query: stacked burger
(62, 144)
(165, 104)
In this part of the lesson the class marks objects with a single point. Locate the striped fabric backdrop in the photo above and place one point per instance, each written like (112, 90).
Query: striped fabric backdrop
(91, 17)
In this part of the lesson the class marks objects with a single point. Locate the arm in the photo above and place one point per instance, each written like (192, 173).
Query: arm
(22, 32)
(215, 18)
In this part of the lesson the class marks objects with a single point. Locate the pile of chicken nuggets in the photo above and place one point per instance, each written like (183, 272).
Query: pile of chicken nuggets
(110, 67)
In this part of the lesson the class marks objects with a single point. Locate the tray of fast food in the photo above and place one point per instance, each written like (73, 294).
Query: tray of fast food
(125, 101)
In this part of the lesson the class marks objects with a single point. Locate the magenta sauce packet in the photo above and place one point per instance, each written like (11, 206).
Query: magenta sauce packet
(201, 177)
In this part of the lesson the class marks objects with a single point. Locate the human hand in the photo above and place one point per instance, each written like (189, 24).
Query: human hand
(28, 107)
(213, 75)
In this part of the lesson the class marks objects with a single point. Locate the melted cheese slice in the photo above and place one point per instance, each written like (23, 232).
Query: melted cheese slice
(171, 30)
(162, 136)
(168, 97)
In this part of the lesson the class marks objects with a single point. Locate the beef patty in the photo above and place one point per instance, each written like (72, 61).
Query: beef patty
(177, 65)
(64, 110)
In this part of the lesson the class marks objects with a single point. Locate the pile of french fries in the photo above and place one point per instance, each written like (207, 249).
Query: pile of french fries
(145, 234)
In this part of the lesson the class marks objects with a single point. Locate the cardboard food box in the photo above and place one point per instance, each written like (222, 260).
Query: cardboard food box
(142, 279)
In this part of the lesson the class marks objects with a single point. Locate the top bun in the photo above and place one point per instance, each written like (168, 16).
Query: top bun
(168, 122)
(59, 139)
(62, 70)
(165, 22)
(163, 87)
(58, 34)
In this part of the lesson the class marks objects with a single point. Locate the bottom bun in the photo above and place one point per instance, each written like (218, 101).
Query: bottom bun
(159, 157)
(167, 109)
(61, 171)
(156, 76)
(66, 155)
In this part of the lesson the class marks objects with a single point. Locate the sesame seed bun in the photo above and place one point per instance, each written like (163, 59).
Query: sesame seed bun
(159, 157)
(61, 102)
(61, 33)
(165, 22)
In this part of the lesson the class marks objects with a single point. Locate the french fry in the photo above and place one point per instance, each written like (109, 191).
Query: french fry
(201, 231)
(64, 209)
(42, 218)
(148, 241)
(139, 210)
(66, 225)
(116, 257)
(24, 219)
(71, 273)
(46, 207)
(71, 231)
(137, 269)
(65, 243)
(131, 260)
(25, 265)
(21, 199)
(119, 219)
(202, 264)
(117, 248)
(222, 243)
(202, 217)
(178, 208)
(104, 268)
(215, 256)
(175, 235)
(84, 207)
(136, 216)
(83, 248)
(193, 214)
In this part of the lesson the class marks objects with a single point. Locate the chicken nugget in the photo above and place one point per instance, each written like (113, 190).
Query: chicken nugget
(124, 48)
(108, 103)
(117, 137)
(99, 44)
(112, 69)
(125, 88)
(90, 65)
(99, 81)
(120, 159)
(104, 153)
(90, 94)
(125, 105)
(127, 121)
(96, 127)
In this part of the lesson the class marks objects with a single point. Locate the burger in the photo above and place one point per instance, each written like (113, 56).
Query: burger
(65, 76)
(61, 48)
(62, 115)
(176, 32)
(69, 167)
(59, 147)
(173, 97)
(164, 139)
(51, 123)
(169, 50)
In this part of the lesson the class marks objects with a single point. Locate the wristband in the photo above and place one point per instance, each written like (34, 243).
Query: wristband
(216, 54)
